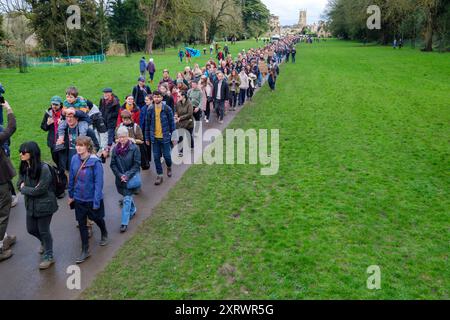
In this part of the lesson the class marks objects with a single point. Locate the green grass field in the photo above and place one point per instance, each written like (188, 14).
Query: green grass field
(364, 180)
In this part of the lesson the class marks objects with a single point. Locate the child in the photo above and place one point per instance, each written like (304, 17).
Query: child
(79, 104)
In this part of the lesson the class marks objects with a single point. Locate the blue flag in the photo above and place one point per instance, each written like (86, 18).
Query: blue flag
(194, 52)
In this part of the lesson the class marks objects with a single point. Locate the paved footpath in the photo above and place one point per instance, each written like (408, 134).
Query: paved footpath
(20, 277)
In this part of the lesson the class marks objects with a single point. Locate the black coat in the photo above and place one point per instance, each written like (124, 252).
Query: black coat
(40, 200)
(110, 111)
(225, 90)
(140, 94)
(129, 165)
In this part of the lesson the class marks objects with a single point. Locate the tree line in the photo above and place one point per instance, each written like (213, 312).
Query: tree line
(428, 20)
(138, 24)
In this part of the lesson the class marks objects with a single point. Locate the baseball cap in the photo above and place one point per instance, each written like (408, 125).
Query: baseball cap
(106, 90)
(56, 100)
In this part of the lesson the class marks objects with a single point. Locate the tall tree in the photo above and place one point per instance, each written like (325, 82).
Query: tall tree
(49, 17)
(2, 33)
(256, 16)
(127, 24)
(154, 11)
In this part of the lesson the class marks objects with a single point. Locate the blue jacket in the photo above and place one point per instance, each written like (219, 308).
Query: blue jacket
(142, 65)
(89, 186)
(167, 123)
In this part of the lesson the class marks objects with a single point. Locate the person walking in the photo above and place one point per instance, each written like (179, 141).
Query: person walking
(243, 87)
(131, 106)
(234, 83)
(207, 88)
(109, 107)
(272, 79)
(184, 119)
(86, 193)
(293, 53)
(221, 93)
(50, 123)
(35, 183)
(151, 68)
(135, 135)
(195, 97)
(142, 67)
(159, 131)
(125, 164)
(181, 55)
(7, 173)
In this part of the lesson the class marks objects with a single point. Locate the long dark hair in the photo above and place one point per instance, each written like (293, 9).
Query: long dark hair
(34, 169)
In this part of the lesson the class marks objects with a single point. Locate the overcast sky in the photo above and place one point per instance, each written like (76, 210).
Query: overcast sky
(288, 10)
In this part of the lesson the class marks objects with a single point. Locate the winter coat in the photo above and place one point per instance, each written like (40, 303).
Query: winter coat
(40, 199)
(135, 115)
(185, 113)
(89, 184)
(128, 165)
(167, 124)
(110, 111)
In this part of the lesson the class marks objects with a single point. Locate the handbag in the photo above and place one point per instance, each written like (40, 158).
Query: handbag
(135, 182)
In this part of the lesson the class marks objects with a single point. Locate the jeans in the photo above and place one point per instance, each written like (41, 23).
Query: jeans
(111, 136)
(233, 99)
(242, 95)
(220, 108)
(293, 58)
(128, 210)
(152, 75)
(5, 207)
(40, 228)
(83, 211)
(260, 79)
(161, 149)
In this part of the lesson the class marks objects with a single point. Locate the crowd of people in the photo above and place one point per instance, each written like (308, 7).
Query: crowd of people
(82, 135)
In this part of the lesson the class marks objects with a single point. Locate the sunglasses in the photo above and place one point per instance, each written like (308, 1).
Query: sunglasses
(23, 152)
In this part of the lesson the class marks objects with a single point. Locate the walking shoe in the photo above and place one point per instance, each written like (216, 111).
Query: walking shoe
(169, 172)
(207, 121)
(9, 241)
(221, 121)
(46, 263)
(5, 254)
(83, 256)
(123, 228)
(180, 154)
(104, 241)
(159, 180)
(14, 201)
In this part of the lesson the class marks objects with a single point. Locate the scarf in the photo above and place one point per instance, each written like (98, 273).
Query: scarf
(129, 107)
(56, 116)
(122, 150)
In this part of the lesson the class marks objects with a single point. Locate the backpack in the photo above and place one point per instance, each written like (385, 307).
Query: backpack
(59, 181)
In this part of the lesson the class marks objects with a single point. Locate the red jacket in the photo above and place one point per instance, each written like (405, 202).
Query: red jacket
(135, 115)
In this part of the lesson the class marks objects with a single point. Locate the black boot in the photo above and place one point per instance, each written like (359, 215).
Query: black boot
(84, 255)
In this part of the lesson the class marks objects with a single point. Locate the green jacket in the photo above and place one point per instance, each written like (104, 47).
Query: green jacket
(185, 113)
(236, 84)
(40, 200)
(195, 96)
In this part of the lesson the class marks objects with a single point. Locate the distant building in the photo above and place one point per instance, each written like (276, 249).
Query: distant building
(302, 21)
